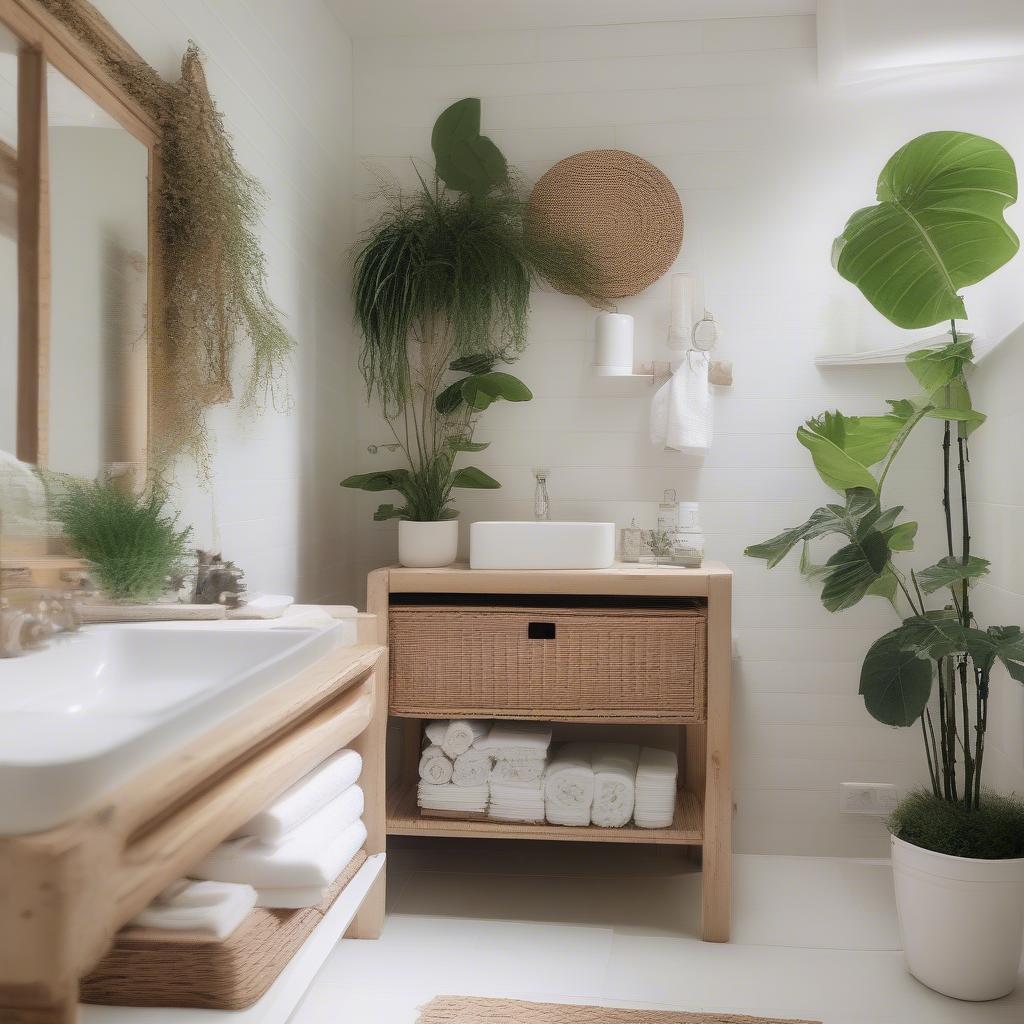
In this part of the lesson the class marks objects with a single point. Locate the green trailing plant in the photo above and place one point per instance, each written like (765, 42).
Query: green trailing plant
(214, 272)
(938, 226)
(131, 542)
(442, 286)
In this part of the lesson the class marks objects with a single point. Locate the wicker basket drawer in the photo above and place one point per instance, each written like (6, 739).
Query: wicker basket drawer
(560, 663)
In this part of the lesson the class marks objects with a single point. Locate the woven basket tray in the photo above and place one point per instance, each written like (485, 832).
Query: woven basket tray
(561, 663)
(151, 967)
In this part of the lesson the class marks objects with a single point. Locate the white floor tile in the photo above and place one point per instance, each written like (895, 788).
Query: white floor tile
(813, 937)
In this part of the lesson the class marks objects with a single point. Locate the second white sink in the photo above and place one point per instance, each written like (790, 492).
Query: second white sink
(541, 545)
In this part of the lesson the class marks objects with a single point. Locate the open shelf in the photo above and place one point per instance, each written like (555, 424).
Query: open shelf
(404, 820)
(278, 1002)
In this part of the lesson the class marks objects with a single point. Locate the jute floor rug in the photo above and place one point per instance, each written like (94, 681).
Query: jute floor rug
(459, 1010)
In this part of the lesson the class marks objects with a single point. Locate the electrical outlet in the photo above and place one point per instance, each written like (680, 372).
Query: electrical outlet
(867, 797)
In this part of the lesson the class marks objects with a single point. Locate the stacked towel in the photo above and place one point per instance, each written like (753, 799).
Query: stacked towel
(656, 781)
(452, 798)
(435, 767)
(292, 852)
(569, 786)
(456, 737)
(615, 766)
(473, 768)
(517, 802)
(211, 909)
(308, 795)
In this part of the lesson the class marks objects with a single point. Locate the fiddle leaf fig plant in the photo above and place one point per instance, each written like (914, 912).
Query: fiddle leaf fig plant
(937, 227)
(442, 296)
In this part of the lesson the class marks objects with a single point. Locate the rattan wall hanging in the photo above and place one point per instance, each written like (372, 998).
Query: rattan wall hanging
(621, 207)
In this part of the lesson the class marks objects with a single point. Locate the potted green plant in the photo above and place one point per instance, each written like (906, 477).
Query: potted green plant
(957, 849)
(442, 287)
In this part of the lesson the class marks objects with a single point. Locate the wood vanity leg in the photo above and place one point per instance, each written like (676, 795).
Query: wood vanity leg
(371, 744)
(13, 1011)
(717, 854)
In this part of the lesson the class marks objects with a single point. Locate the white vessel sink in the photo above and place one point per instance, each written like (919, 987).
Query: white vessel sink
(92, 708)
(540, 545)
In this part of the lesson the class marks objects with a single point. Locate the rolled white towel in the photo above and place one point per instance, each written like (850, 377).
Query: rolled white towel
(656, 782)
(456, 737)
(615, 766)
(309, 856)
(569, 786)
(343, 848)
(311, 793)
(471, 799)
(215, 909)
(518, 773)
(472, 768)
(513, 741)
(435, 767)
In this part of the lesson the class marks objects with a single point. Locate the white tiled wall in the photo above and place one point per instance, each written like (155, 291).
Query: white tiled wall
(997, 471)
(281, 75)
(768, 168)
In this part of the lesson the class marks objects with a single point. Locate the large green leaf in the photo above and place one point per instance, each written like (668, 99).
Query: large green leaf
(382, 480)
(860, 514)
(948, 571)
(480, 390)
(385, 512)
(466, 161)
(938, 227)
(894, 682)
(1007, 644)
(853, 569)
(953, 402)
(456, 444)
(476, 362)
(826, 439)
(934, 368)
(901, 537)
(473, 478)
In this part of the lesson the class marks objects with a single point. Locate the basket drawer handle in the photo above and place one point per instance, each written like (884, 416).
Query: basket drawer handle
(540, 631)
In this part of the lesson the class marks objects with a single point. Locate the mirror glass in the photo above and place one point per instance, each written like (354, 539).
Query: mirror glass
(8, 240)
(99, 241)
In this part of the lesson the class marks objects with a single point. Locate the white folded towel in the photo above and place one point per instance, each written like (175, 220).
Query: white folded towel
(569, 786)
(312, 792)
(311, 855)
(215, 909)
(344, 848)
(524, 803)
(472, 768)
(516, 741)
(615, 767)
(518, 773)
(681, 412)
(456, 737)
(656, 783)
(435, 767)
(472, 799)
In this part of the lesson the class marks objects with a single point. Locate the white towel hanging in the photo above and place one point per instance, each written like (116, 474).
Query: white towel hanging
(681, 412)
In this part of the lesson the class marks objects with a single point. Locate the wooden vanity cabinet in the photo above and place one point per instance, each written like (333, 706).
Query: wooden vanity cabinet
(627, 646)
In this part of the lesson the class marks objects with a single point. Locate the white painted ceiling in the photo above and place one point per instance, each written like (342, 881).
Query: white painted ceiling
(411, 17)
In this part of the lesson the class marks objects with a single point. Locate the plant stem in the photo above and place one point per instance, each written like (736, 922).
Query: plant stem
(933, 778)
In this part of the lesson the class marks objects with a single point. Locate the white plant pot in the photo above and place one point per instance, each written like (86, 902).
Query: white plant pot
(962, 920)
(428, 545)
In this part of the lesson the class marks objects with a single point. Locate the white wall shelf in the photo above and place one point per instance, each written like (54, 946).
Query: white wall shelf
(280, 1000)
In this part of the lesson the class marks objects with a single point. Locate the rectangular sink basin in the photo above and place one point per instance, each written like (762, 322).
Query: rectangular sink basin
(541, 545)
(93, 708)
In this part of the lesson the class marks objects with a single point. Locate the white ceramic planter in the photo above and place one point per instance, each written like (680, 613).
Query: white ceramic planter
(962, 920)
(428, 545)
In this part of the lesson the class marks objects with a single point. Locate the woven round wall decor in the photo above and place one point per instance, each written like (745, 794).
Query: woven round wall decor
(622, 208)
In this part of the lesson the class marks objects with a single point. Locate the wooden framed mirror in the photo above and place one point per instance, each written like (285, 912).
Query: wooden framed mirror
(79, 166)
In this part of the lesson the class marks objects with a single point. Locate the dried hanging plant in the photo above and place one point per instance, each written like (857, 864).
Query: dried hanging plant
(214, 269)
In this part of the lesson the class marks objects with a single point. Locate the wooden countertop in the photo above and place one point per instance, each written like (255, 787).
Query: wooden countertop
(622, 578)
